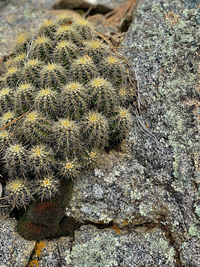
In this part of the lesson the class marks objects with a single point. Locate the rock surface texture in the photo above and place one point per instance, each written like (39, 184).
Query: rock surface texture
(157, 185)
(14, 250)
(142, 208)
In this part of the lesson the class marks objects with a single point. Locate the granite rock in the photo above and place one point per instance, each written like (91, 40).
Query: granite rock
(158, 181)
(14, 250)
(54, 252)
(94, 247)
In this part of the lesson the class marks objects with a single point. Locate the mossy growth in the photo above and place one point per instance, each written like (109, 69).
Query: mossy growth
(64, 99)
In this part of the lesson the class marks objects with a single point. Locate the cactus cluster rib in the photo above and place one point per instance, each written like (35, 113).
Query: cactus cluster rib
(72, 95)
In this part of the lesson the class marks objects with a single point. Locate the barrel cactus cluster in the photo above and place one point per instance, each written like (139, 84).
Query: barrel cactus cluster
(64, 98)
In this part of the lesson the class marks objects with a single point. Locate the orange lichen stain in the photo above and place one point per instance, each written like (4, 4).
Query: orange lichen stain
(39, 248)
(116, 229)
(125, 222)
(172, 17)
(34, 263)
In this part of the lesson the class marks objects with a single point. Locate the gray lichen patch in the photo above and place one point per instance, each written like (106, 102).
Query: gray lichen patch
(95, 247)
(121, 193)
(14, 251)
(162, 45)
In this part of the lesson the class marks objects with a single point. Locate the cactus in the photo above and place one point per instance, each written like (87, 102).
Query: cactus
(103, 95)
(42, 48)
(96, 129)
(46, 187)
(64, 98)
(32, 71)
(92, 157)
(121, 123)
(18, 193)
(74, 98)
(22, 42)
(64, 19)
(24, 97)
(112, 69)
(48, 29)
(65, 52)
(17, 61)
(12, 76)
(68, 32)
(84, 28)
(15, 160)
(40, 159)
(66, 134)
(6, 96)
(34, 128)
(5, 140)
(52, 75)
(69, 168)
(83, 69)
(96, 49)
(46, 101)
(7, 118)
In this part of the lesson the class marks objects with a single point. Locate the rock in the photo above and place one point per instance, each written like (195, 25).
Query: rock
(162, 45)
(14, 250)
(54, 252)
(94, 247)
(158, 182)
(100, 5)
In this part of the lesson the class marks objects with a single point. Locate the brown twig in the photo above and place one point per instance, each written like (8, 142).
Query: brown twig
(10, 123)
(119, 13)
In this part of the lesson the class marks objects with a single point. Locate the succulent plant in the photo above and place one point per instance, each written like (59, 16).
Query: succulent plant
(64, 98)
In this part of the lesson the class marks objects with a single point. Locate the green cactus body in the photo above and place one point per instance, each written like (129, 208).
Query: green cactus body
(18, 193)
(96, 49)
(84, 28)
(17, 61)
(74, 100)
(52, 75)
(32, 71)
(46, 101)
(121, 123)
(64, 98)
(96, 129)
(42, 48)
(15, 160)
(69, 168)
(12, 76)
(40, 159)
(66, 134)
(65, 52)
(48, 29)
(24, 97)
(83, 69)
(114, 70)
(22, 42)
(7, 118)
(6, 97)
(68, 32)
(103, 95)
(64, 19)
(5, 140)
(46, 187)
(35, 128)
